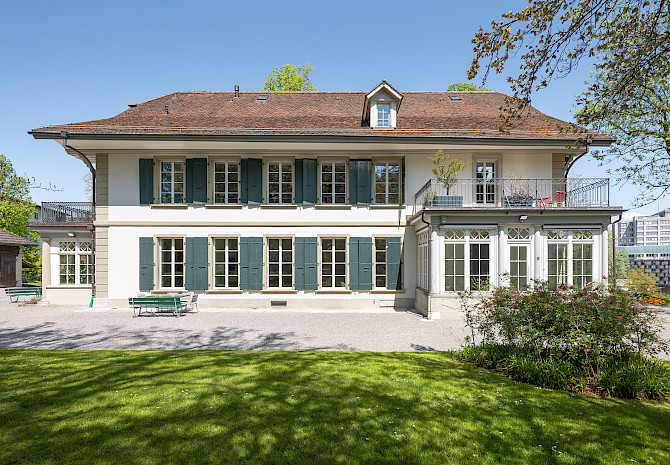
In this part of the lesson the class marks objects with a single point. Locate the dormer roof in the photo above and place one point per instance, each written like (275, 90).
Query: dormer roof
(381, 88)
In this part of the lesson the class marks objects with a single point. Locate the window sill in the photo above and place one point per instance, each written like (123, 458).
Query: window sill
(279, 291)
(333, 291)
(387, 291)
(224, 205)
(388, 207)
(279, 206)
(334, 206)
(69, 286)
(224, 291)
(170, 205)
(168, 291)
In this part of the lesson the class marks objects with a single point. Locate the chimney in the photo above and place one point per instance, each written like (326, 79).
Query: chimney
(237, 90)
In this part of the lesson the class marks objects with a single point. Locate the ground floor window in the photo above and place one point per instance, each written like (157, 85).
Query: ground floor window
(333, 263)
(422, 259)
(280, 263)
(172, 262)
(226, 263)
(75, 262)
(380, 261)
(570, 257)
(518, 264)
(582, 264)
(467, 259)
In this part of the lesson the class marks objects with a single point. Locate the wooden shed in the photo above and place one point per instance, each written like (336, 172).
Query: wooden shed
(11, 258)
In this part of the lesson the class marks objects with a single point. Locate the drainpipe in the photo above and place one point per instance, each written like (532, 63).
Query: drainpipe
(586, 150)
(614, 249)
(428, 258)
(91, 168)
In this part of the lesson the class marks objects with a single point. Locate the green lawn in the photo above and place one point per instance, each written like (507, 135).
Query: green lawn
(305, 407)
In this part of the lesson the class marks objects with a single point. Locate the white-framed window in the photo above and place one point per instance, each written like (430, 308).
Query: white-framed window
(280, 182)
(226, 181)
(171, 254)
(519, 256)
(75, 262)
(422, 259)
(380, 266)
(226, 263)
(280, 262)
(383, 115)
(570, 257)
(172, 181)
(333, 263)
(467, 255)
(387, 182)
(333, 182)
(485, 187)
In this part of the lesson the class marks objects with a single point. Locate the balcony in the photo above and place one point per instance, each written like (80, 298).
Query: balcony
(55, 213)
(574, 193)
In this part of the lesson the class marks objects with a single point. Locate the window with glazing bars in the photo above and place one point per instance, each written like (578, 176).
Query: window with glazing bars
(333, 182)
(333, 263)
(280, 263)
(387, 182)
(280, 182)
(226, 182)
(226, 263)
(172, 182)
(383, 115)
(172, 262)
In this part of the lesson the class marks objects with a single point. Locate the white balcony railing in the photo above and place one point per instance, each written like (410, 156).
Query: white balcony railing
(66, 212)
(514, 193)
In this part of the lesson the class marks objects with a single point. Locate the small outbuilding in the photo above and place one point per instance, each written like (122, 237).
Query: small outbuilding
(11, 258)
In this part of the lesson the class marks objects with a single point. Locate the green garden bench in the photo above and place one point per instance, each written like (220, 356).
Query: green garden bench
(19, 291)
(157, 304)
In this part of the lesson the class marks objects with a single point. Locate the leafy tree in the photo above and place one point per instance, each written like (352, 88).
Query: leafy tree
(446, 169)
(628, 40)
(465, 86)
(289, 77)
(16, 209)
(642, 282)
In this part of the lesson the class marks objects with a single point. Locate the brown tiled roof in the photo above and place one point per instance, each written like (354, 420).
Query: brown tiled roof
(7, 238)
(423, 114)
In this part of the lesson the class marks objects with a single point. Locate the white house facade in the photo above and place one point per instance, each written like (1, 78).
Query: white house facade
(321, 200)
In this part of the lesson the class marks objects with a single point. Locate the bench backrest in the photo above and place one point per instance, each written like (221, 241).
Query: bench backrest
(23, 290)
(168, 301)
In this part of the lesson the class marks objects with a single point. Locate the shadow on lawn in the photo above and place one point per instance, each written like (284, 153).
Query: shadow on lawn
(321, 407)
(48, 336)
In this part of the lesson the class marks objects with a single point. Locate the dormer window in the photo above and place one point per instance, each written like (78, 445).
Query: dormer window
(383, 115)
(381, 106)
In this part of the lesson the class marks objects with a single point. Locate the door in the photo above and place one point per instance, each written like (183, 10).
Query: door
(485, 189)
(7, 269)
(518, 265)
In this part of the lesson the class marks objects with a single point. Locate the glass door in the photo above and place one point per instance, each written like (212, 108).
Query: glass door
(518, 266)
(485, 189)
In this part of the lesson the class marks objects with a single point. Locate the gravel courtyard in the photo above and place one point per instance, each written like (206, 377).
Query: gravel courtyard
(79, 328)
(60, 327)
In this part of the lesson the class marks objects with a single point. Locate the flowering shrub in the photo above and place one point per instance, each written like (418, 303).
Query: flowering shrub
(568, 338)
(33, 300)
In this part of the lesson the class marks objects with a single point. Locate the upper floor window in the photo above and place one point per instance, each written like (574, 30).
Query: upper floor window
(333, 182)
(387, 182)
(226, 182)
(383, 115)
(172, 182)
(280, 182)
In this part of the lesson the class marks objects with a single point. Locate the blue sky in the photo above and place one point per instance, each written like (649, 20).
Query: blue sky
(73, 61)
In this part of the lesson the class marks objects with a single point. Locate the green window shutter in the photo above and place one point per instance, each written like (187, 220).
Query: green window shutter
(196, 272)
(365, 263)
(311, 271)
(146, 181)
(251, 263)
(353, 263)
(252, 181)
(299, 262)
(402, 181)
(146, 263)
(364, 182)
(393, 259)
(196, 180)
(299, 195)
(353, 182)
(244, 184)
(309, 181)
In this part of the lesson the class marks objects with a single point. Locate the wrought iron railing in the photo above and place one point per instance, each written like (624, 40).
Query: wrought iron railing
(66, 212)
(514, 193)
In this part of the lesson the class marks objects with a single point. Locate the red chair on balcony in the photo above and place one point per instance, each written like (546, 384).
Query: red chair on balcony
(559, 198)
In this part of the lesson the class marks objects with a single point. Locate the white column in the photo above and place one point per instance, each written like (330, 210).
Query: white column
(604, 251)
(436, 267)
(18, 275)
(538, 255)
(502, 243)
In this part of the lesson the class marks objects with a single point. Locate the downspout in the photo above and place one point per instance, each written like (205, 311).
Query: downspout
(428, 258)
(91, 168)
(614, 250)
(586, 150)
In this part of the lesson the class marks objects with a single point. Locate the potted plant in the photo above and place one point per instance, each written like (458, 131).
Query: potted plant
(516, 191)
(446, 171)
